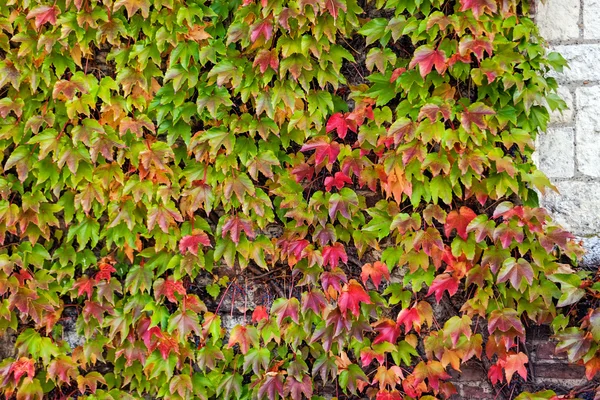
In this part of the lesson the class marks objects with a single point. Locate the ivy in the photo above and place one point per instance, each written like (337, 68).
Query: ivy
(364, 165)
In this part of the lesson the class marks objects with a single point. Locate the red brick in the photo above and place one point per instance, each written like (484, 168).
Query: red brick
(560, 371)
(546, 351)
(476, 392)
(471, 373)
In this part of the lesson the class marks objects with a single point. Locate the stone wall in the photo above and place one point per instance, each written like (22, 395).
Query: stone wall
(569, 152)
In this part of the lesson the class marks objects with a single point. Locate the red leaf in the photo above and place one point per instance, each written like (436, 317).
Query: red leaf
(323, 149)
(259, 313)
(409, 317)
(334, 7)
(338, 123)
(22, 366)
(43, 14)
(272, 386)
(388, 331)
(516, 363)
(351, 297)
(244, 336)
(367, 355)
(303, 171)
(84, 285)
(295, 388)
(235, 226)
(426, 57)
(396, 74)
(265, 59)
(375, 272)
(168, 288)
(333, 254)
(478, 46)
(339, 181)
(475, 115)
(191, 242)
(285, 308)
(459, 220)
(264, 29)
(105, 272)
(478, 6)
(515, 271)
(334, 278)
(313, 300)
(495, 373)
(441, 283)
(505, 320)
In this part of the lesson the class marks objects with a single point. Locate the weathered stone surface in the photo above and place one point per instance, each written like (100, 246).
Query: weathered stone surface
(577, 207)
(583, 60)
(566, 116)
(591, 259)
(558, 19)
(591, 19)
(588, 130)
(556, 152)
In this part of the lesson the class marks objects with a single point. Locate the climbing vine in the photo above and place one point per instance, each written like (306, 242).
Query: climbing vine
(366, 163)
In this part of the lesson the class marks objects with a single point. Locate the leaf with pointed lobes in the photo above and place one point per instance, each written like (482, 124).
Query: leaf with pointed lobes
(478, 7)
(264, 29)
(388, 331)
(441, 283)
(323, 149)
(338, 180)
(244, 336)
(353, 294)
(396, 74)
(388, 377)
(313, 300)
(333, 254)
(385, 395)
(286, 308)
(367, 355)
(89, 382)
(475, 115)
(63, 368)
(272, 387)
(235, 225)
(516, 271)
(265, 59)
(260, 313)
(85, 284)
(427, 240)
(505, 320)
(433, 371)
(575, 342)
(478, 46)
(426, 57)
(43, 14)
(21, 367)
(495, 374)
(374, 271)
(334, 279)
(295, 388)
(334, 7)
(191, 242)
(516, 363)
(414, 317)
(456, 326)
(459, 220)
(168, 287)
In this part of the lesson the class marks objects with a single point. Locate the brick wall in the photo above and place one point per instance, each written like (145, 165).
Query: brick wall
(569, 152)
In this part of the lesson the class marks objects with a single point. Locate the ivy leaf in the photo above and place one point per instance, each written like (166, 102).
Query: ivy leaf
(295, 388)
(168, 287)
(235, 225)
(351, 297)
(323, 149)
(457, 326)
(257, 358)
(374, 271)
(338, 180)
(264, 29)
(388, 331)
(244, 336)
(191, 242)
(334, 7)
(459, 220)
(516, 272)
(184, 322)
(333, 254)
(43, 14)
(441, 283)
(265, 59)
(272, 387)
(133, 6)
(337, 122)
(516, 363)
(286, 308)
(574, 342)
(478, 6)
(475, 115)
(260, 313)
(426, 58)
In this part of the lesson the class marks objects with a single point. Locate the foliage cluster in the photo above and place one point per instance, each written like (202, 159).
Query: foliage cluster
(150, 142)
